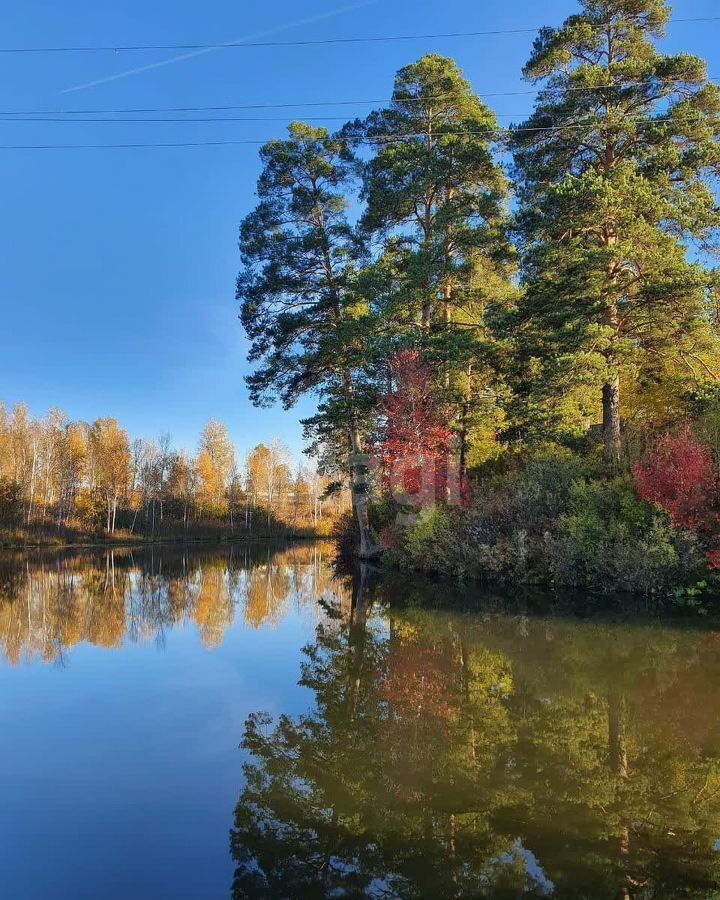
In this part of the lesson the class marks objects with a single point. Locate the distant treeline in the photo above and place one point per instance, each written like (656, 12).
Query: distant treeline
(74, 478)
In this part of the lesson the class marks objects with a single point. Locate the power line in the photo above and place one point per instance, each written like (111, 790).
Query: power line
(320, 103)
(177, 109)
(206, 119)
(313, 42)
(125, 146)
(373, 140)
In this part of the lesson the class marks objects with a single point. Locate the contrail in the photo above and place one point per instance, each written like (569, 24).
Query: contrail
(248, 37)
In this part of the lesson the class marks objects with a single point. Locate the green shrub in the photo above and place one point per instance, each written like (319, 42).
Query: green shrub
(431, 543)
(531, 496)
(610, 540)
(381, 513)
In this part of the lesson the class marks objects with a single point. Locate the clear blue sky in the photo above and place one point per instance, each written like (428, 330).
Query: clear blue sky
(117, 267)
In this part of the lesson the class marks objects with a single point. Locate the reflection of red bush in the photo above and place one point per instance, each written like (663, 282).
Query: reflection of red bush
(418, 684)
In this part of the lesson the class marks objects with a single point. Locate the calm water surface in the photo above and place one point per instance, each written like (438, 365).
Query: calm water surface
(241, 723)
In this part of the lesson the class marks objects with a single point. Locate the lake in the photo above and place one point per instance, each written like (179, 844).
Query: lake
(241, 722)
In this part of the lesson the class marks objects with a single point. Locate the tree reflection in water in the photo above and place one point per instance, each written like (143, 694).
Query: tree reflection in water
(444, 754)
(501, 756)
(51, 602)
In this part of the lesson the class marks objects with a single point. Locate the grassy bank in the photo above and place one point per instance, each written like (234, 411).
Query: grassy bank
(46, 535)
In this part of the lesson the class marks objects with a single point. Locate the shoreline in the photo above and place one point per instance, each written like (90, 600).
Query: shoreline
(126, 542)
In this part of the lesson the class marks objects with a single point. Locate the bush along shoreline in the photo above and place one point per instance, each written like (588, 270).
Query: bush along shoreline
(557, 519)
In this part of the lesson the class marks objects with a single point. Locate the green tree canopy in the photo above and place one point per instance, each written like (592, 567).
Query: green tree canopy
(614, 171)
(300, 306)
(436, 201)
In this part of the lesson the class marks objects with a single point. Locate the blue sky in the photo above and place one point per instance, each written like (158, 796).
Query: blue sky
(117, 267)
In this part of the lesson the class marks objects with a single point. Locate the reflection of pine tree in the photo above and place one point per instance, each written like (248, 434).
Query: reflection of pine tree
(364, 773)
(446, 757)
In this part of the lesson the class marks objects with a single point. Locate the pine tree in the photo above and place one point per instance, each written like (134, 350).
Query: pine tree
(614, 170)
(300, 307)
(437, 201)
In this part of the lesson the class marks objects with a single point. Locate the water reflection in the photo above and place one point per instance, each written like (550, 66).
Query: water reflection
(50, 603)
(487, 756)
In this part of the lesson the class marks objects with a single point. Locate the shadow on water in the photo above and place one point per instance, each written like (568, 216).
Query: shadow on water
(455, 743)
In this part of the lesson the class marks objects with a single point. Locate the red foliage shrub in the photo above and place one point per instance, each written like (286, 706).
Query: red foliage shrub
(415, 439)
(677, 473)
(387, 539)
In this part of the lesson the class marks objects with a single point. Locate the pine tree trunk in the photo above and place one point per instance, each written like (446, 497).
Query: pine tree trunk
(611, 389)
(463, 430)
(358, 472)
(359, 494)
(611, 421)
(447, 319)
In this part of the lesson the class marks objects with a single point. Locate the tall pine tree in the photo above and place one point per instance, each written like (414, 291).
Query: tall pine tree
(300, 308)
(437, 203)
(615, 170)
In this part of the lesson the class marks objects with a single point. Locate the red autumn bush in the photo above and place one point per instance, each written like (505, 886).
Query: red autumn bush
(677, 473)
(415, 439)
(387, 539)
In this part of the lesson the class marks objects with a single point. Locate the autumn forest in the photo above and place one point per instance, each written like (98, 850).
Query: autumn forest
(512, 333)
(62, 480)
